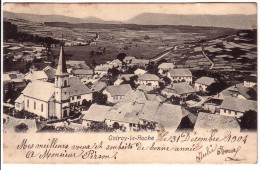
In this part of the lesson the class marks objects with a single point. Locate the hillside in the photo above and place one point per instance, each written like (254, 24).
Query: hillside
(225, 21)
(229, 21)
(51, 18)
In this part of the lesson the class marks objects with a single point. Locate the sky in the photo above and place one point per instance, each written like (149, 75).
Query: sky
(122, 12)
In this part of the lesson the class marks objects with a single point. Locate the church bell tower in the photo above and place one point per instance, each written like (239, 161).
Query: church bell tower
(62, 86)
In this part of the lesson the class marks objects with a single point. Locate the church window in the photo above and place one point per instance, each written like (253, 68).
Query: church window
(72, 98)
(34, 105)
(27, 102)
(41, 107)
(65, 82)
(78, 97)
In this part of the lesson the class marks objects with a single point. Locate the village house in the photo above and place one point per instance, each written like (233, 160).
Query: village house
(209, 122)
(53, 99)
(96, 113)
(149, 79)
(235, 107)
(115, 63)
(139, 62)
(19, 103)
(126, 77)
(79, 93)
(180, 75)
(139, 72)
(124, 116)
(144, 88)
(239, 91)
(76, 64)
(99, 86)
(250, 81)
(203, 83)
(101, 70)
(116, 93)
(165, 67)
(118, 82)
(128, 59)
(47, 74)
(181, 90)
(82, 73)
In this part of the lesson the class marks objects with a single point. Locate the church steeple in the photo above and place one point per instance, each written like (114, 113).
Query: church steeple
(62, 88)
(62, 68)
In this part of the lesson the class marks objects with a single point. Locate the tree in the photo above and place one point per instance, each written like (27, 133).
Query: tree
(217, 87)
(146, 37)
(92, 53)
(175, 100)
(249, 121)
(94, 63)
(21, 128)
(132, 81)
(113, 72)
(121, 56)
(161, 61)
(151, 68)
(99, 98)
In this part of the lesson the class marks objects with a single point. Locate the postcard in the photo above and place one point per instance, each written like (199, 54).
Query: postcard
(120, 83)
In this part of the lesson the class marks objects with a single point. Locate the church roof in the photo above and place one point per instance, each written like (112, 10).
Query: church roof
(62, 68)
(39, 90)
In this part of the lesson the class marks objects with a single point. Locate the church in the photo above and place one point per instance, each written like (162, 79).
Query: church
(54, 99)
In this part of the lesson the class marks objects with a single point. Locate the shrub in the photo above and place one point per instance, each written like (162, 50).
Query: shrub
(21, 128)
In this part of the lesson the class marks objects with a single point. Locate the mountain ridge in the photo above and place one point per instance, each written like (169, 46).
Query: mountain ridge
(237, 21)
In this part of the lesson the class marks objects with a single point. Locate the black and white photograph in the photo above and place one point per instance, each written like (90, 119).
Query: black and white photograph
(129, 82)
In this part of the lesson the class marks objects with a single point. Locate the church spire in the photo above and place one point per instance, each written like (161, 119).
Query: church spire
(62, 68)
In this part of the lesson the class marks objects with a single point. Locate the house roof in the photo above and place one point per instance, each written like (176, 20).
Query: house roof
(50, 72)
(145, 88)
(96, 113)
(251, 79)
(179, 88)
(125, 112)
(140, 61)
(213, 121)
(147, 77)
(6, 77)
(126, 76)
(116, 61)
(205, 80)
(36, 75)
(166, 66)
(20, 99)
(140, 71)
(180, 72)
(81, 66)
(169, 116)
(82, 71)
(101, 68)
(77, 87)
(39, 90)
(240, 105)
(119, 90)
(240, 88)
(149, 111)
(100, 86)
(135, 96)
(73, 63)
(155, 97)
(129, 58)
